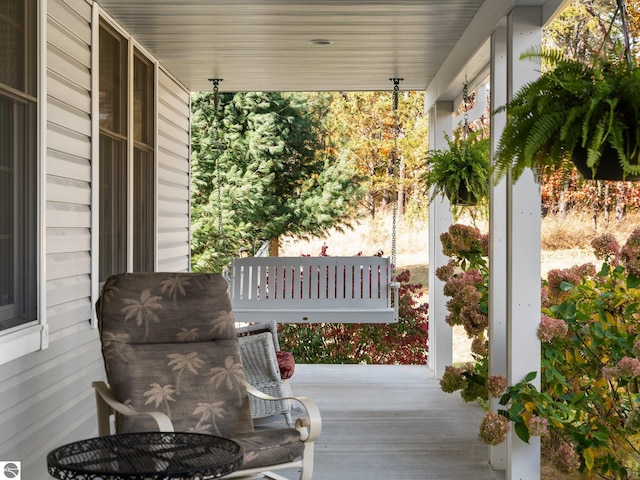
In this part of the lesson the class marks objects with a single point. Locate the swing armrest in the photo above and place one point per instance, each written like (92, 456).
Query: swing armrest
(107, 404)
(309, 426)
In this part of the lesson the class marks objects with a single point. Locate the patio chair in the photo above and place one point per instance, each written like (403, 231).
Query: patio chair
(266, 368)
(173, 364)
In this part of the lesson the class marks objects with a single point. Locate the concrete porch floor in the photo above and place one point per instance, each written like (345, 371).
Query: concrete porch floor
(392, 422)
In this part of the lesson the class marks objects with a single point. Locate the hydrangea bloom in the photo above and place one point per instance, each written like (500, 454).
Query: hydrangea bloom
(538, 426)
(572, 275)
(493, 429)
(452, 379)
(629, 367)
(445, 272)
(479, 346)
(551, 328)
(567, 459)
(460, 239)
(484, 244)
(606, 247)
(496, 385)
(473, 321)
(609, 373)
(630, 253)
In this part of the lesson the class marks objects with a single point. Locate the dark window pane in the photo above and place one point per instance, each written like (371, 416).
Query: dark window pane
(18, 163)
(113, 206)
(143, 212)
(143, 100)
(113, 81)
(7, 216)
(115, 203)
(12, 39)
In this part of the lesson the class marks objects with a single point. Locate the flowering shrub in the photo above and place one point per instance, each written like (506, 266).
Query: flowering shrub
(404, 342)
(588, 407)
(466, 278)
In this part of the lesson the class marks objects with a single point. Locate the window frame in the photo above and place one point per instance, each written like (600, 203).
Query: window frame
(31, 335)
(148, 148)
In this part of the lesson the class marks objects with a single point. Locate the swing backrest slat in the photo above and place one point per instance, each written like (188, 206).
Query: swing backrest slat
(312, 289)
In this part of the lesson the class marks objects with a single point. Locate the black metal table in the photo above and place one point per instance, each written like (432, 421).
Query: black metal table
(146, 456)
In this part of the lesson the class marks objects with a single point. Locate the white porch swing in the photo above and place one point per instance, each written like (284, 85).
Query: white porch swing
(359, 289)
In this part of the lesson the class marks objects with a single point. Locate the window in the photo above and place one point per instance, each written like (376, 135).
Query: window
(120, 148)
(18, 163)
(143, 161)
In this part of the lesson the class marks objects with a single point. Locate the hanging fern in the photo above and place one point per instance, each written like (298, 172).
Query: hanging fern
(573, 106)
(464, 165)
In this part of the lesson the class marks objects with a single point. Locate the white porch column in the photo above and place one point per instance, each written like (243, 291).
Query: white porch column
(498, 238)
(524, 29)
(440, 333)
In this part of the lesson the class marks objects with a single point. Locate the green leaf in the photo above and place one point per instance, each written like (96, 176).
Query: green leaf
(566, 286)
(605, 270)
(530, 376)
(633, 281)
(522, 432)
(578, 398)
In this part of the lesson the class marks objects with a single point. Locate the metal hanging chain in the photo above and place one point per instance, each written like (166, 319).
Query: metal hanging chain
(394, 156)
(466, 130)
(216, 100)
(622, 10)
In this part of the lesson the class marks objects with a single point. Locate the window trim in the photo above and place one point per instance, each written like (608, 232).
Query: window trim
(100, 15)
(31, 337)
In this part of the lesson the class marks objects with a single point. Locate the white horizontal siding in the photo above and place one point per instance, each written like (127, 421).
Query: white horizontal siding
(53, 401)
(174, 222)
(68, 141)
(67, 290)
(66, 190)
(65, 265)
(170, 173)
(173, 176)
(69, 312)
(68, 166)
(63, 89)
(66, 215)
(65, 240)
(47, 398)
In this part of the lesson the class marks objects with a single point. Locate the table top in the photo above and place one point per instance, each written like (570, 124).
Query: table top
(146, 456)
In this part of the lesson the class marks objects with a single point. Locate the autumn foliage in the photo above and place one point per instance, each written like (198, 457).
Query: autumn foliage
(404, 342)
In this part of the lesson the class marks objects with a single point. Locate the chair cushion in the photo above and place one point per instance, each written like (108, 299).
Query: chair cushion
(270, 447)
(169, 344)
(286, 364)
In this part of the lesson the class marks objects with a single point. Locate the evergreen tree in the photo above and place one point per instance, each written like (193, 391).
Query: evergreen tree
(261, 168)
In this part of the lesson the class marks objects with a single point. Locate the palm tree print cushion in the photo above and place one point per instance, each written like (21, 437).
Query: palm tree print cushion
(169, 345)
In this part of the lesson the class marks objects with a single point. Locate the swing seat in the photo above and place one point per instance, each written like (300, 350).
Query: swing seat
(312, 290)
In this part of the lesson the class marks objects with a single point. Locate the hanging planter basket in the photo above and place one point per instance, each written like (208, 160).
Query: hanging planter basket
(462, 197)
(587, 101)
(608, 168)
(461, 172)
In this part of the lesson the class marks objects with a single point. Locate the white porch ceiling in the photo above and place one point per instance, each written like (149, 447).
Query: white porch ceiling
(264, 45)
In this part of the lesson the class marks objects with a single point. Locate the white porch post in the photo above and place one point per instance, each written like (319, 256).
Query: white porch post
(440, 334)
(524, 28)
(498, 238)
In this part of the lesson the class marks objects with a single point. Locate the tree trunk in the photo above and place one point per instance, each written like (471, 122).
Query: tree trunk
(401, 191)
(274, 247)
(621, 201)
(596, 205)
(608, 205)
